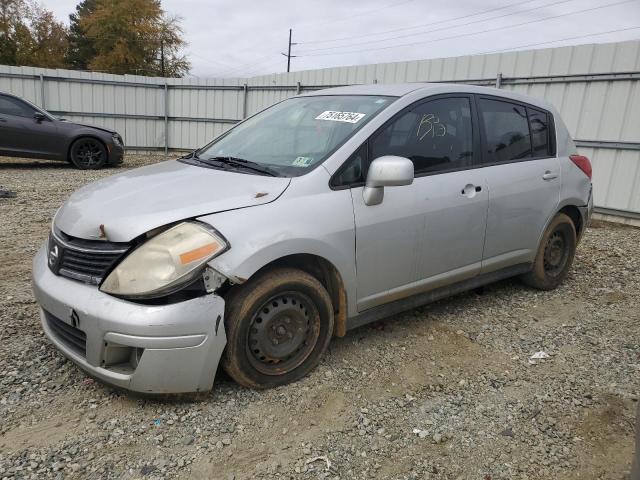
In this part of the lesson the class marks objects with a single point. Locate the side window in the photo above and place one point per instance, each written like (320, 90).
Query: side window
(353, 170)
(12, 106)
(540, 132)
(506, 130)
(436, 135)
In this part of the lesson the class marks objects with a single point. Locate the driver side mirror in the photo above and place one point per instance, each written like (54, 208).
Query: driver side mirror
(39, 116)
(386, 171)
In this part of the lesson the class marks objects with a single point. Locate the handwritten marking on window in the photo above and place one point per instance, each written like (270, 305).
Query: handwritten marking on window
(430, 125)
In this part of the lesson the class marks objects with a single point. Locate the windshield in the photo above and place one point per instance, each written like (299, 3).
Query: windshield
(296, 134)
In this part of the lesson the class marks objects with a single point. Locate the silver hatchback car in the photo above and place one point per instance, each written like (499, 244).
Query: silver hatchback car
(317, 215)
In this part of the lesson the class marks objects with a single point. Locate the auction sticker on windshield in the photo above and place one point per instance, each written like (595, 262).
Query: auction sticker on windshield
(350, 117)
(302, 161)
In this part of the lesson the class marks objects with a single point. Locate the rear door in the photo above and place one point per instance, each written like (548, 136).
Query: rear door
(523, 176)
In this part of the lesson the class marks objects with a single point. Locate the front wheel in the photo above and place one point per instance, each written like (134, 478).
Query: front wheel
(88, 154)
(279, 323)
(555, 254)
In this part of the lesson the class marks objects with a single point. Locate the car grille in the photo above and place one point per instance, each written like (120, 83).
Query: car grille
(72, 337)
(87, 261)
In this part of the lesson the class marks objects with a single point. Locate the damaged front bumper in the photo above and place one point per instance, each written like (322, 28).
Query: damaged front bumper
(170, 348)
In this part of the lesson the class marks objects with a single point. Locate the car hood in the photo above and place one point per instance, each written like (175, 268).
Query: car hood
(134, 202)
(73, 126)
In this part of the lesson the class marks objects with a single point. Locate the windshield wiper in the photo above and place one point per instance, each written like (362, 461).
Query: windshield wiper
(192, 154)
(241, 162)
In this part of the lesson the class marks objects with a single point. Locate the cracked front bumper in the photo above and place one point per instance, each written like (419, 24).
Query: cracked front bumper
(144, 348)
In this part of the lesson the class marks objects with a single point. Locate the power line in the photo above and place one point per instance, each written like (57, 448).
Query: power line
(366, 12)
(256, 70)
(238, 68)
(332, 21)
(273, 59)
(402, 29)
(558, 40)
(470, 33)
(215, 62)
(443, 28)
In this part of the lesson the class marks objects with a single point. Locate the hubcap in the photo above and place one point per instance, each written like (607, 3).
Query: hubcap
(89, 153)
(555, 253)
(282, 333)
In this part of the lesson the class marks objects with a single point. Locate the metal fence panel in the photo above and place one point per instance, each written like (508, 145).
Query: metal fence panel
(595, 87)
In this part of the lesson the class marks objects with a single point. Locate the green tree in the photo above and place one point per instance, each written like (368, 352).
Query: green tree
(81, 49)
(30, 35)
(135, 37)
(11, 25)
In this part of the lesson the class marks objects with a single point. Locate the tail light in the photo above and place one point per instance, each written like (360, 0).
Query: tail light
(582, 163)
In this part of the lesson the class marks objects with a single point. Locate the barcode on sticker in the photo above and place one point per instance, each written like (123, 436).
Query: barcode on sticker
(350, 117)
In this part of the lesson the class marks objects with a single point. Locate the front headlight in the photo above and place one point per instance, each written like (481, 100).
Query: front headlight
(166, 262)
(117, 139)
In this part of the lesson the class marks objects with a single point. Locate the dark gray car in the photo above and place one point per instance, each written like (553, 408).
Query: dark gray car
(29, 131)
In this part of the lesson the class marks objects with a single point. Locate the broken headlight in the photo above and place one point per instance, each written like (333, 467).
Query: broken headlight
(166, 262)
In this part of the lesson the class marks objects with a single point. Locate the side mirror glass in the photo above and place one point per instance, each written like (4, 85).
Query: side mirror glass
(39, 116)
(387, 171)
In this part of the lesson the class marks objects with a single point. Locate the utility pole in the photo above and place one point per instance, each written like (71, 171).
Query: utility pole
(288, 54)
(162, 56)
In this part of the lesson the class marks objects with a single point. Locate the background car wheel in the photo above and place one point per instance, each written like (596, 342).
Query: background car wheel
(278, 324)
(88, 154)
(555, 255)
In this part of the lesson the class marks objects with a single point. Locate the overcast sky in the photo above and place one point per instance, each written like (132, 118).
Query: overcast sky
(246, 37)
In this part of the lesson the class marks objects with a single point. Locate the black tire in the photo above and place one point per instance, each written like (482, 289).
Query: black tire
(278, 325)
(88, 153)
(555, 254)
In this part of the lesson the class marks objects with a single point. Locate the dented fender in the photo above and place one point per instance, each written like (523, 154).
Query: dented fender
(258, 236)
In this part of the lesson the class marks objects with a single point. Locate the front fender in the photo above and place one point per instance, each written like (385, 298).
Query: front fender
(319, 224)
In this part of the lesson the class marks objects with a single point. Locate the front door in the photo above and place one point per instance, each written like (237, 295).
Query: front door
(429, 233)
(21, 134)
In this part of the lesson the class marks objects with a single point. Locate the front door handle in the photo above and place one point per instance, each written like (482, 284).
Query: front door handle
(470, 190)
(549, 175)
(3, 119)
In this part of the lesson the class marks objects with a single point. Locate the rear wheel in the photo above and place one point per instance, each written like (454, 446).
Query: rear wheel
(555, 254)
(278, 326)
(88, 154)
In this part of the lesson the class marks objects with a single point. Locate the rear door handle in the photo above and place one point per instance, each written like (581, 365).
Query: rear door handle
(549, 175)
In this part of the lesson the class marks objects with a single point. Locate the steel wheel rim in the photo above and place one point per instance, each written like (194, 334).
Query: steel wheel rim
(283, 332)
(555, 253)
(89, 153)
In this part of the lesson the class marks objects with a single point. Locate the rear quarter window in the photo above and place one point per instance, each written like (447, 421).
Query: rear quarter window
(541, 136)
(506, 130)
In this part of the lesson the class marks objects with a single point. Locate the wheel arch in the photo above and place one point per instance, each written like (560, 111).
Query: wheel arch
(574, 214)
(327, 274)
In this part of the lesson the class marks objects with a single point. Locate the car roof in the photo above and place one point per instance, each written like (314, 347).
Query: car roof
(425, 89)
(389, 89)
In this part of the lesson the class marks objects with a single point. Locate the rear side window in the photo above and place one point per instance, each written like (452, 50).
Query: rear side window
(12, 106)
(436, 135)
(540, 133)
(506, 131)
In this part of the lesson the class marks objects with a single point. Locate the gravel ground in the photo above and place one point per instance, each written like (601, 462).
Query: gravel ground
(442, 392)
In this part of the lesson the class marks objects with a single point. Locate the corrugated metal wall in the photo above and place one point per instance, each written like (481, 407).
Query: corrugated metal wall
(595, 87)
